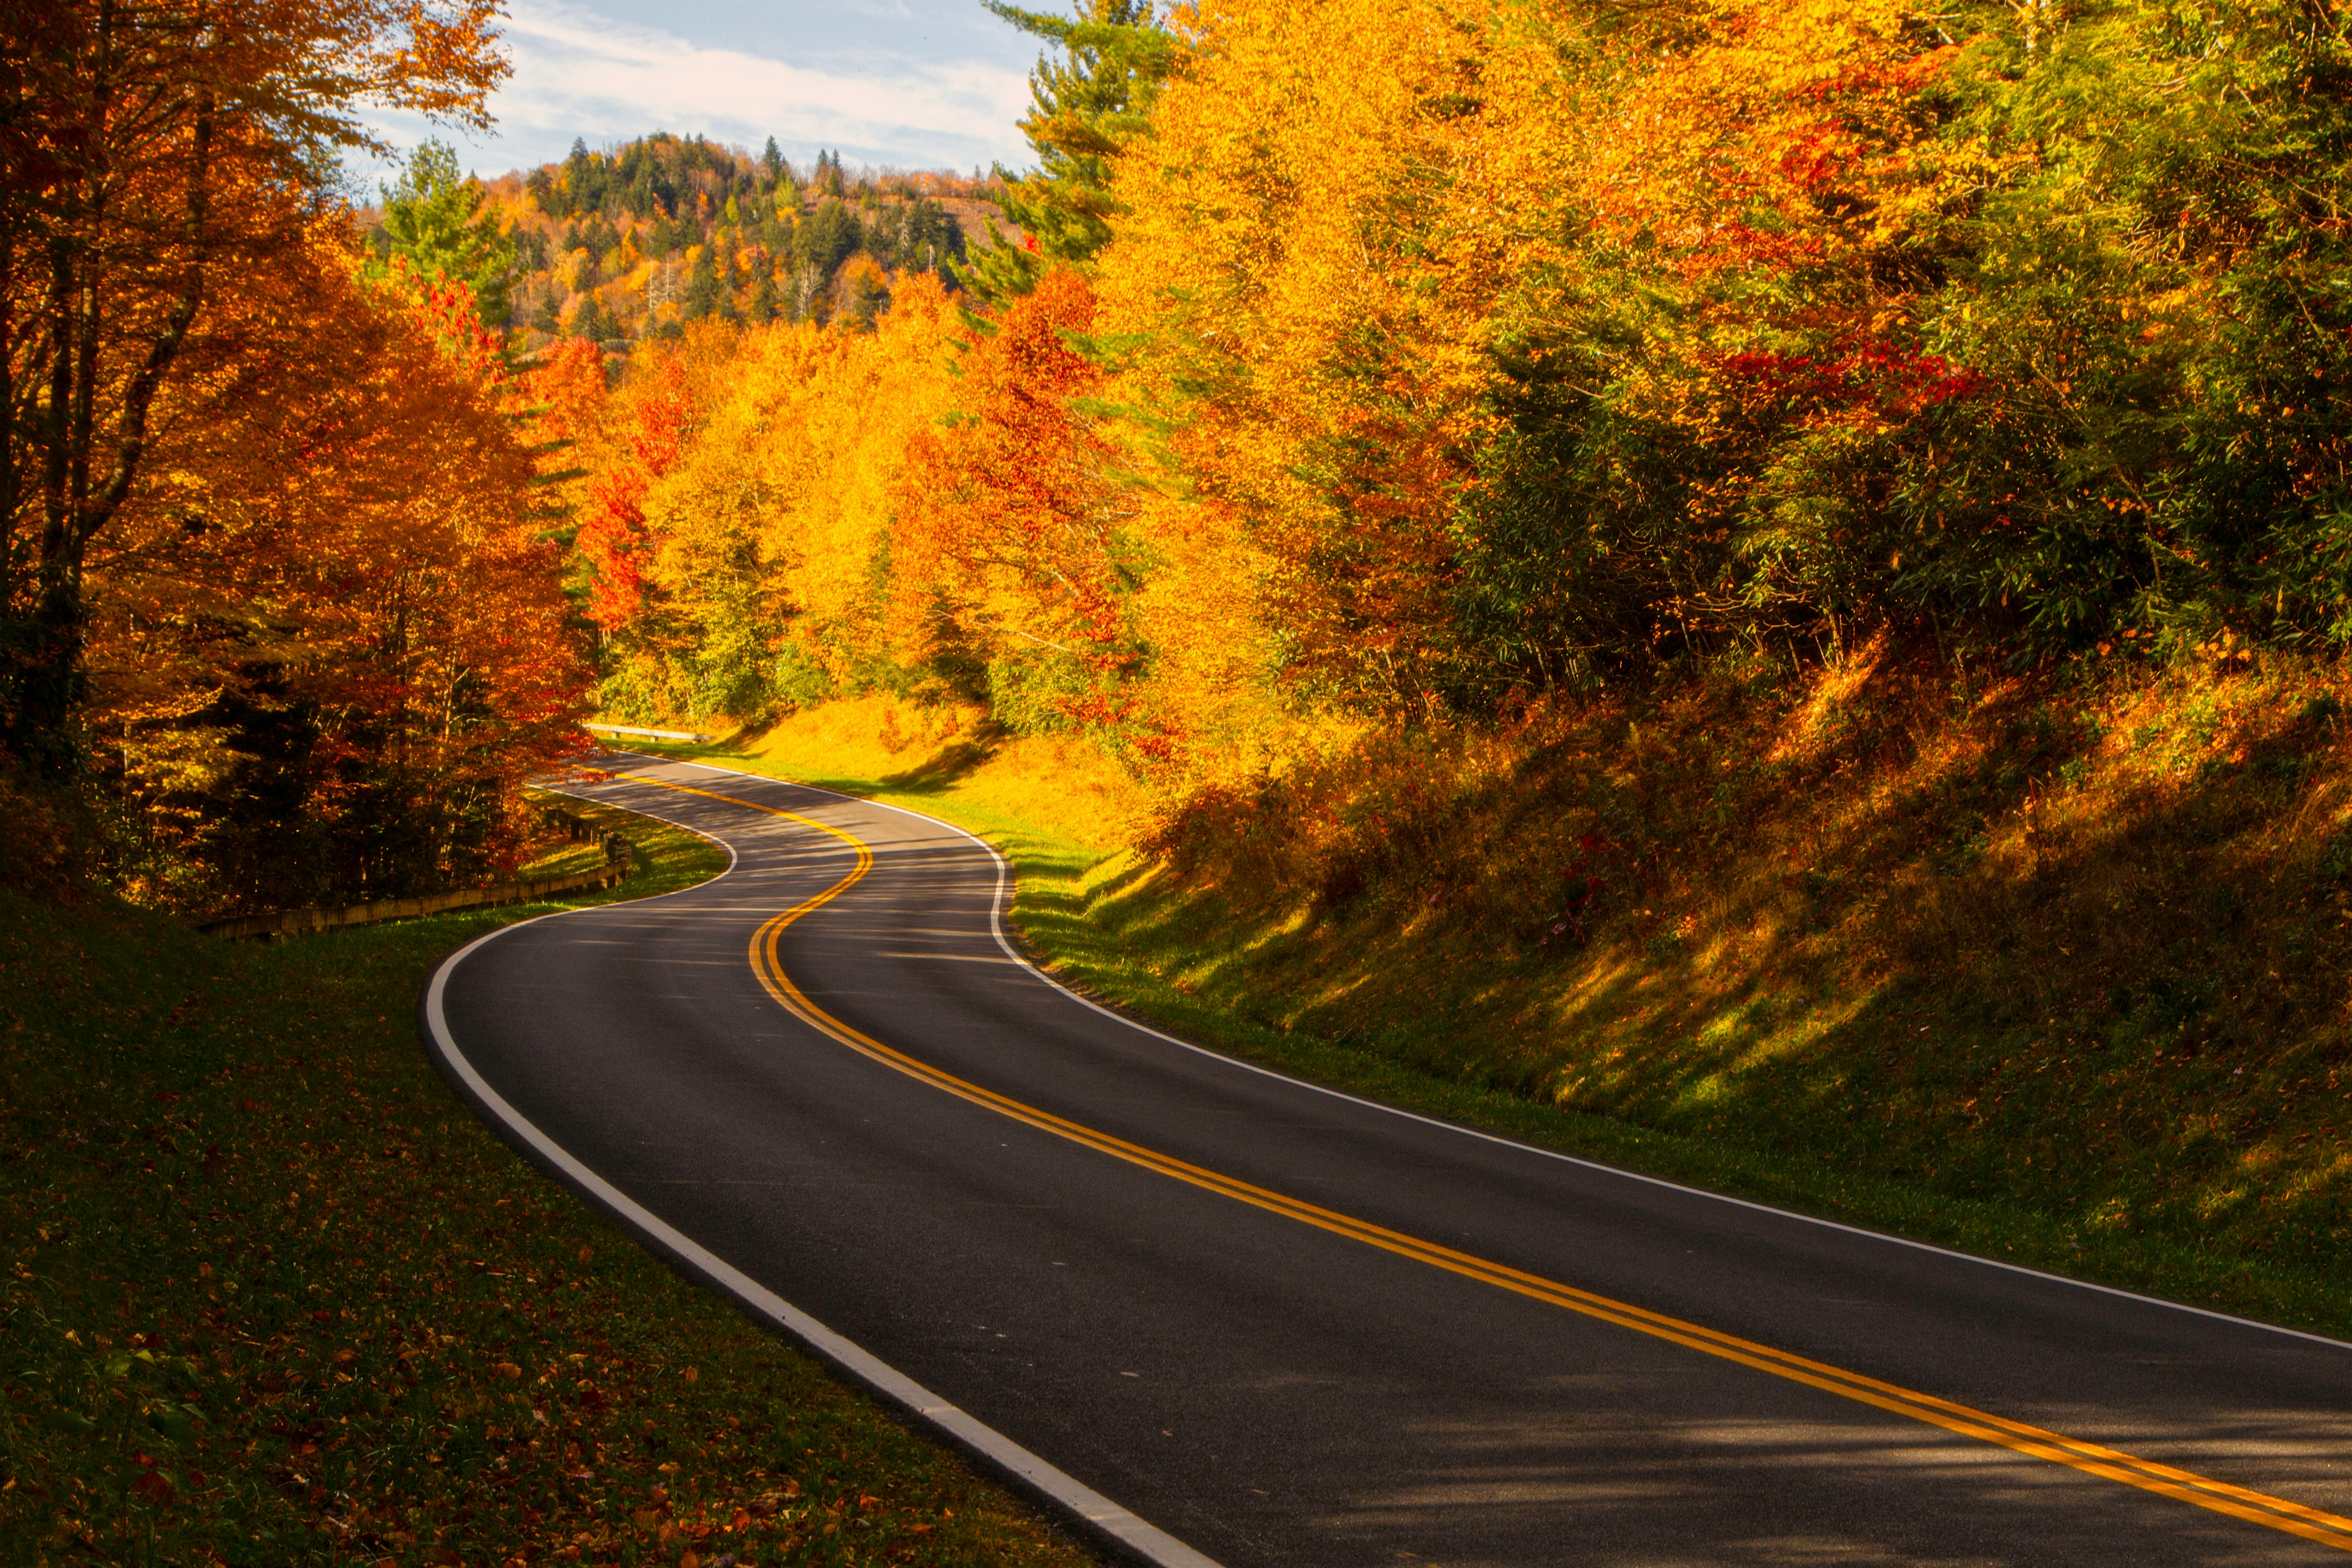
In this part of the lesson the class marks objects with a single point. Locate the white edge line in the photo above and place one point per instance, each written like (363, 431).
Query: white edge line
(996, 925)
(1146, 1539)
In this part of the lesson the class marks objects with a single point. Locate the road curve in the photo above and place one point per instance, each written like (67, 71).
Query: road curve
(1284, 1326)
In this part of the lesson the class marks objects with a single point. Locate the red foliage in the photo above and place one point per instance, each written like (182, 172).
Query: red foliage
(615, 537)
(1875, 379)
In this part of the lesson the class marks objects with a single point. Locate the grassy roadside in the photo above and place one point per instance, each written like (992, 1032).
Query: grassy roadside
(274, 1296)
(1117, 927)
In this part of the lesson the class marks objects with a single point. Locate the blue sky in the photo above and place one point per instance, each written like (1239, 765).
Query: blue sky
(916, 84)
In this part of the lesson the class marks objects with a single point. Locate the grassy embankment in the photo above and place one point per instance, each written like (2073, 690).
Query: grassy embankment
(2051, 968)
(274, 1296)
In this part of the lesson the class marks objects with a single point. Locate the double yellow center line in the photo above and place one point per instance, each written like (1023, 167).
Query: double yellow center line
(2091, 1458)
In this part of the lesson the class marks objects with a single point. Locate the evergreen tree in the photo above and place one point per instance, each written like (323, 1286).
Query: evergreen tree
(827, 237)
(763, 299)
(1082, 110)
(771, 162)
(436, 219)
(593, 321)
(584, 179)
(703, 292)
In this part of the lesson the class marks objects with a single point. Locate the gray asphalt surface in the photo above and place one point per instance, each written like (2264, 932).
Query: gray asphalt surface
(1271, 1392)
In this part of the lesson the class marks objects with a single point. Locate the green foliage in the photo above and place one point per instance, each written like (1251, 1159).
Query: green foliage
(593, 321)
(799, 679)
(433, 216)
(1083, 109)
(705, 296)
(1033, 693)
(2096, 387)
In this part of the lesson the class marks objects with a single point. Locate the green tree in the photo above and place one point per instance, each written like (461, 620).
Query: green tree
(434, 218)
(703, 290)
(1082, 110)
(593, 321)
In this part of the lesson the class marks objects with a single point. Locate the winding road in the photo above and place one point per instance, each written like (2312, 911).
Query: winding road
(1241, 1319)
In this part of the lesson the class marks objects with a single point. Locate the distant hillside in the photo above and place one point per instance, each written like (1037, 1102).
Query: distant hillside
(637, 242)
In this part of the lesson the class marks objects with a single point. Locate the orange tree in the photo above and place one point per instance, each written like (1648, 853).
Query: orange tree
(153, 152)
(326, 641)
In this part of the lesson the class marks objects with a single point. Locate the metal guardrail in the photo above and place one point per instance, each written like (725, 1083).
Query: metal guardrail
(648, 734)
(619, 856)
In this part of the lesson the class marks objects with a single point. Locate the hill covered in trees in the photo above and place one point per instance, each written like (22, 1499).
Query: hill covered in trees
(637, 241)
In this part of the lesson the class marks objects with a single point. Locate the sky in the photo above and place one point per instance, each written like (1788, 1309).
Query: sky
(911, 84)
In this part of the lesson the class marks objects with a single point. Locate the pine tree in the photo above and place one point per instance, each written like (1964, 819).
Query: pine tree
(436, 219)
(594, 323)
(763, 299)
(703, 293)
(1082, 112)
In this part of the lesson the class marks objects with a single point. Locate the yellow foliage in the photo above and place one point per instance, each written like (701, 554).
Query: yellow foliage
(775, 520)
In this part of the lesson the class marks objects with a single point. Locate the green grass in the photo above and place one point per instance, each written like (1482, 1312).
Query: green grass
(274, 1296)
(1106, 923)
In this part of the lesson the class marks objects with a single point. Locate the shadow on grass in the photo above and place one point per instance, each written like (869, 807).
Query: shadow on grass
(1892, 963)
(947, 766)
(1961, 971)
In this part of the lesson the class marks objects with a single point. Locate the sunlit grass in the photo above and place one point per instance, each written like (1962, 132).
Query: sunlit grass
(2050, 970)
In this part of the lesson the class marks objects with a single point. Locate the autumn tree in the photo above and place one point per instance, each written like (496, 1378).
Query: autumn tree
(1012, 521)
(327, 641)
(156, 155)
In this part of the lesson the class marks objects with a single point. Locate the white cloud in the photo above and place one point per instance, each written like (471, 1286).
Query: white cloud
(577, 74)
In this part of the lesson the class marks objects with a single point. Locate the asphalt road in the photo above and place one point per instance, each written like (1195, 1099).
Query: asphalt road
(1287, 1327)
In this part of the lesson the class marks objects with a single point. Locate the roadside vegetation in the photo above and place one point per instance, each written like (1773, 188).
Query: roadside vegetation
(2046, 967)
(273, 1295)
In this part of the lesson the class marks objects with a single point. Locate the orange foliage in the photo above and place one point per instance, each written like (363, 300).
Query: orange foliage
(613, 537)
(1318, 351)
(1009, 511)
(334, 580)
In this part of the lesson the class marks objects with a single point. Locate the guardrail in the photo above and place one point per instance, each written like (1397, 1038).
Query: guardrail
(648, 734)
(619, 856)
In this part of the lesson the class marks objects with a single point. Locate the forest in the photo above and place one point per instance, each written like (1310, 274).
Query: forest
(640, 240)
(1367, 363)
(1339, 373)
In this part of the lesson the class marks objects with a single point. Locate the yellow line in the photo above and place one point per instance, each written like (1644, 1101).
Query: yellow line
(2259, 1508)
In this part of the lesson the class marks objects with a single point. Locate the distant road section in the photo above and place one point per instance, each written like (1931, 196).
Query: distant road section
(1282, 1326)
